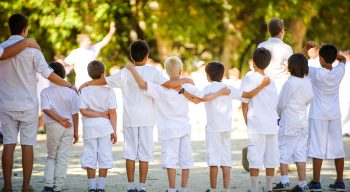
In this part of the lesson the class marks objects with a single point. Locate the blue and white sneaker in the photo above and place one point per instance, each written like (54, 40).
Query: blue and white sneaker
(337, 186)
(315, 186)
(281, 187)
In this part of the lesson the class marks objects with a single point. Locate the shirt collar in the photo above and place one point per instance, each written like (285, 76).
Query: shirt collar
(54, 85)
(275, 39)
(216, 82)
(16, 37)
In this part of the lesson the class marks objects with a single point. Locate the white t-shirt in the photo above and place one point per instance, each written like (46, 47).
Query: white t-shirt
(325, 84)
(293, 102)
(63, 101)
(100, 99)
(171, 110)
(219, 110)
(262, 115)
(138, 108)
(80, 58)
(18, 77)
(1, 51)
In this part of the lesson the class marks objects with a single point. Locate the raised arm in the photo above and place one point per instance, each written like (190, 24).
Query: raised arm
(108, 37)
(16, 48)
(307, 47)
(113, 119)
(62, 121)
(140, 82)
(76, 127)
(251, 94)
(94, 114)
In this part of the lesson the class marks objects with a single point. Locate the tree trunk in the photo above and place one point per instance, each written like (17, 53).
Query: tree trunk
(297, 29)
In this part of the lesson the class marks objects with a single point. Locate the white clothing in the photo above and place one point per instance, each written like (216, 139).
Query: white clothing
(138, 108)
(325, 139)
(1, 51)
(219, 110)
(18, 77)
(293, 102)
(171, 110)
(262, 115)
(81, 58)
(314, 62)
(138, 143)
(41, 84)
(63, 101)
(59, 144)
(263, 151)
(99, 99)
(280, 53)
(177, 151)
(218, 148)
(97, 153)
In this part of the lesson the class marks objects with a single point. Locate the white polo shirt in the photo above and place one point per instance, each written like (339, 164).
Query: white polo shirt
(138, 108)
(325, 84)
(219, 110)
(18, 90)
(262, 115)
(293, 102)
(171, 110)
(100, 99)
(63, 101)
(1, 51)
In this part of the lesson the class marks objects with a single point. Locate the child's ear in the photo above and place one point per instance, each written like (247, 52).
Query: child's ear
(103, 75)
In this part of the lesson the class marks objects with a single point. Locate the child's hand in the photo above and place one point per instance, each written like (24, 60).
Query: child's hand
(130, 66)
(225, 91)
(105, 115)
(341, 58)
(65, 123)
(114, 138)
(188, 80)
(309, 45)
(76, 138)
(32, 43)
(266, 81)
(74, 89)
(82, 86)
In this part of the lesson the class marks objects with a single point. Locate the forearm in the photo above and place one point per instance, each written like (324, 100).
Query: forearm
(97, 82)
(245, 111)
(76, 122)
(14, 49)
(140, 82)
(54, 78)
(113, 118)
(91, 114)
(174, 83)
(211, 96)
(252, 93)
(52, 115)
(190, 97)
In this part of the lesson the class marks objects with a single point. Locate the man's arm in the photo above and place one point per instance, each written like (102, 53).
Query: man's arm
(96, 82)
(16, 48)
(113, 119)
(94, 114)
(245, 111)
(76, 127)
(54, 78)
(108, 37)
(62, 121)
(251, 94)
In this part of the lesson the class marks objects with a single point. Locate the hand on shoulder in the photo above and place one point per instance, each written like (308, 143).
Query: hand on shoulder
(341, 58)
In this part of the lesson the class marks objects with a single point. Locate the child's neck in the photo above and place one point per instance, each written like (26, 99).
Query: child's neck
(141, 63)
(175, 78)
(328, 66)
(262, 72)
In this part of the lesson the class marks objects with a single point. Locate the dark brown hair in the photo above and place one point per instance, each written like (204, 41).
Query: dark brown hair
(275, 26)
(58, 68)
(262, 58)
(138, 50)
(298, 65)
(215, 71)
(328, 53)
(17, 22)
(96, 69)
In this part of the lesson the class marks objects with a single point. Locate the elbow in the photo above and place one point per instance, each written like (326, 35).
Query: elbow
(83, 112)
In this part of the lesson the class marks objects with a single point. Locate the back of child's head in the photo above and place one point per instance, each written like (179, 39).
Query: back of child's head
(215, 71)
(17, 22)
(173, 66)
(139, 50)
(275, 26)
(328, 53)
(298, 65)
(96, 69)
(261, 58)
(58, 68)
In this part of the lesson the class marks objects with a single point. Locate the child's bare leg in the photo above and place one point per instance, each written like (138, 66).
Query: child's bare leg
(184, 177)
(316, 166)
(130, 170)
(102, 172)
(213, 176)
(143, 171)
(171, 177)
(254, 172)
(254, 180)
(91, 174)
(284, 169)
(226, 175)
(301, 167)
(339, 166)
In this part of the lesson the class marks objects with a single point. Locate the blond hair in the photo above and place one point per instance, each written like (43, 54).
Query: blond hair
(173, 66)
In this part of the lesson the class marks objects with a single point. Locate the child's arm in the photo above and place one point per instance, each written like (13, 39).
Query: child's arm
(113, 119)
(96, 82)
(245, 111)
(94, 114)
(177, 83)
(16, 48)
(62, 121)
(196, 100)
(251, 94)
(341, 59)
(76, 127)
(140, 82)
(309, 45)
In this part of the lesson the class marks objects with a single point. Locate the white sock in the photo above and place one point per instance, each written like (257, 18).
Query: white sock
(284, 179)
(182, 189)
(302, 183)
(212, 190)
(171, 190)
(227, 190)
(101, 182)
(268, 185)
(142, 186)
(92, 183)
(254, 183)
(131, 185)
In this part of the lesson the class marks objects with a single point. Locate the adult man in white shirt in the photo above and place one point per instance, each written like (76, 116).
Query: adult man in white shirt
(280, 52)
(87, 52)
(19, 102)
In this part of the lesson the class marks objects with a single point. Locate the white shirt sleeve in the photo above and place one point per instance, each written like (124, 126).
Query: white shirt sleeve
(82, 102)
(246, 86)
(153, 90)
(45, 101)
(41, 65)
(1, 51)
(235, 93)
(117, 80)
(159, 78)
(283, 98)
(112, 100)
(75, 103)
(71, 58)
(96, 49)
(193, 90)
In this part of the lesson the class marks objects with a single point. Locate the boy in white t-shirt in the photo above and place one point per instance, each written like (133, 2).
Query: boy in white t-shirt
(325, 137)
(60, 106)
(139, 115)
(98, 108)
(261, 119)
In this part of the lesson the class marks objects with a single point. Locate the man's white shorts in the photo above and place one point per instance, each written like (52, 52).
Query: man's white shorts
(263, 151)
(25, 123)
(293, 148)
(325, 139)
(177, 150)
(138, 143)
(219, 148)
(97, 153)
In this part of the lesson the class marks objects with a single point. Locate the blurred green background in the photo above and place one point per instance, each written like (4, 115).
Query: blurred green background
(197, 30)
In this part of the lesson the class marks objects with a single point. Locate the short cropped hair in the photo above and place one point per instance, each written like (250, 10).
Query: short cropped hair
(298, 65)
(215, 71)
(275, 26)
(173, 66)
(139, 50)
(17, 22)
(96, 69)
(58, 68)
(328, 53)
(262, 58)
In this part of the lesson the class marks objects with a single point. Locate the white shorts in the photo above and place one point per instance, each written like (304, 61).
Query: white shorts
(325, 139)
(138, 143)
(263, 151)
(293, 148)
(219, 148)
(178, 150)
(97, 153)
(25, 123)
